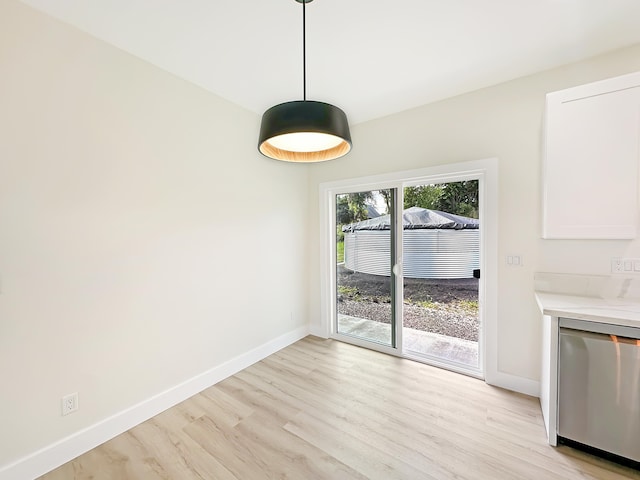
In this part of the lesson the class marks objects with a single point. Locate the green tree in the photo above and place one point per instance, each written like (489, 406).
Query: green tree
(343, 214)
(352, 207)
(386, 195)
(459, 198)
(423, 196)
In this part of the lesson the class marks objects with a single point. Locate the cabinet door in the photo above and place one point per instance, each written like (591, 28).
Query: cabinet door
(590, 167)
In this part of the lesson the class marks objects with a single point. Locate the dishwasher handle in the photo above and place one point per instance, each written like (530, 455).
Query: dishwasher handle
(606, 337)
(620, 331)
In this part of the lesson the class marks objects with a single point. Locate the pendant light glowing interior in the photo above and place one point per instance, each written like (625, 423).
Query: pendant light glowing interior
(305, 141)
(304, 130)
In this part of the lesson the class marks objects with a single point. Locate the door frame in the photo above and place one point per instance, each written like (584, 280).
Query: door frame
(486, 171)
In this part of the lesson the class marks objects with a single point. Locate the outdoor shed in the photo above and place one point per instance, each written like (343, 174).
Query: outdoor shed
(436, 245)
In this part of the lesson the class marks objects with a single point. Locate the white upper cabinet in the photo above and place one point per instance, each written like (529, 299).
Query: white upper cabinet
(590, 167)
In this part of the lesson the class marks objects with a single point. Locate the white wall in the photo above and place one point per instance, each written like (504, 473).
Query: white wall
(132, 202)
(143, 239)
(504, 121)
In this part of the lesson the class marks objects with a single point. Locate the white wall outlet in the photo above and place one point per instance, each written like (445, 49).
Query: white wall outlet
(625, 265)
(69, 403)
(617, 265)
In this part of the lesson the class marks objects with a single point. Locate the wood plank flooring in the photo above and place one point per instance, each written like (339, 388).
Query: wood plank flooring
(321, 409)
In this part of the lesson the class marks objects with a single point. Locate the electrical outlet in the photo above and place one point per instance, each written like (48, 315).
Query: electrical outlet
(617, 265)
(625, 265)
(69, 403)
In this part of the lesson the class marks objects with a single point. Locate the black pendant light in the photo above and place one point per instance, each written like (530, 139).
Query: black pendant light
(304, 130)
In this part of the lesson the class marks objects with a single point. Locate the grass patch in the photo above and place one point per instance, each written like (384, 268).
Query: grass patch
(428, 303)
(351, 292)
(470, 306)
(340, 252)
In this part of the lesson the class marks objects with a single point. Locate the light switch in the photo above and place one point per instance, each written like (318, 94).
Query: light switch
(514, 260)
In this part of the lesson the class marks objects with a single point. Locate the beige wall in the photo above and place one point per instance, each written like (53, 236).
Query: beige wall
(504, 121)
(143, 239)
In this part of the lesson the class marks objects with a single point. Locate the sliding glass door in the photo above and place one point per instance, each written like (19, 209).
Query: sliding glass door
(364, 266)
(406, 276)
(441, 273)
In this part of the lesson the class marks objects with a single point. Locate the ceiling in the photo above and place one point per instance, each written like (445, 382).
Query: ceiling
(372, 58)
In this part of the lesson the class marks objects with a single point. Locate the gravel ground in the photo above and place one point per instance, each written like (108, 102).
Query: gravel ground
(447, 307)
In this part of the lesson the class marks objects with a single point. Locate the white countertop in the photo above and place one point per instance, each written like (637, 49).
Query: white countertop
(615, 311)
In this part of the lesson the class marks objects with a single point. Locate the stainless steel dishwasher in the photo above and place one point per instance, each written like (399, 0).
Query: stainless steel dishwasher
(599, 387)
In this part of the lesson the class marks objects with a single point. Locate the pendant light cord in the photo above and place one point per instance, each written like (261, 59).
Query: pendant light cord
(304, 52)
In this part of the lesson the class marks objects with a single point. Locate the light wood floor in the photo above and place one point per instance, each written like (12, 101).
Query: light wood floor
(321, 409)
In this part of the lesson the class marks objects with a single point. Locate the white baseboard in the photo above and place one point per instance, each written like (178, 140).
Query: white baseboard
(66, 449)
